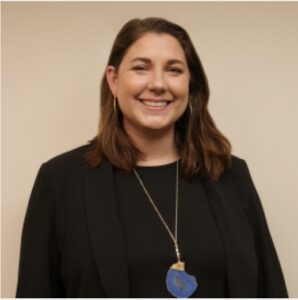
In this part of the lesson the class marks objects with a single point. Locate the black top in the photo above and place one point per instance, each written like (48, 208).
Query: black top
(150, 250)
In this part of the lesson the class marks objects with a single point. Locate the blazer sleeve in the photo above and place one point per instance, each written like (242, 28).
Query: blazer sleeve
(271, 281)
(39, 256)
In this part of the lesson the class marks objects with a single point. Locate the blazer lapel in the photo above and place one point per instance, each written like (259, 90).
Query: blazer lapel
(105, 232)
(237, 237)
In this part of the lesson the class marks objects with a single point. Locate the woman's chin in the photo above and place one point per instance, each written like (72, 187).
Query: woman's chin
(156, 125)
(152, 124)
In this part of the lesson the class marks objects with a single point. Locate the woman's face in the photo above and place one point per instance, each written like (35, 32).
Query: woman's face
(152, 83)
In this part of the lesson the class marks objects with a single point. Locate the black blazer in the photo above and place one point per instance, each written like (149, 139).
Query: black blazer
(72, 243)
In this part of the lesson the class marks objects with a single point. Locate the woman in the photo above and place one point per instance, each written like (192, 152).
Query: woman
(155, 205)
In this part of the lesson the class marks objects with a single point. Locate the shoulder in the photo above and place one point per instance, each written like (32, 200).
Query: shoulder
(237, 167)
(69, 159)
(237, 176)
(237, 172)
(66, 166)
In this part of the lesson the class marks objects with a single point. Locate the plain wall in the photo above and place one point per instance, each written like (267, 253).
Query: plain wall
(53, 58)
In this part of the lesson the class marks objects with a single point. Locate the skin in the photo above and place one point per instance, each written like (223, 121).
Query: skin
(161, 73)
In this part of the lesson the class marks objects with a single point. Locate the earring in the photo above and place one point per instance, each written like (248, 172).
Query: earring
(115, 108)
(190, 107)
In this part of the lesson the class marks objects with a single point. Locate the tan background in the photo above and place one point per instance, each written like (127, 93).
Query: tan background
(54, 55)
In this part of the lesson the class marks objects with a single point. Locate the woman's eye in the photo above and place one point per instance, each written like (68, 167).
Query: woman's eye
(175, 70)
(139, 68)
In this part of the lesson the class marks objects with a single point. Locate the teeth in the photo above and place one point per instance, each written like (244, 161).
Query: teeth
(154, 103)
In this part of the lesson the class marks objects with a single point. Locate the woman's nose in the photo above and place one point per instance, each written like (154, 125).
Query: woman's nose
(157, 82)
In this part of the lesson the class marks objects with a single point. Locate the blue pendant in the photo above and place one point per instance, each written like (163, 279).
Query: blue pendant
(179, 283)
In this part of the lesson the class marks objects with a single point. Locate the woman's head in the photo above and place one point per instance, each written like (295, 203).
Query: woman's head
(154, 59)
(135, 31)
(151, 84)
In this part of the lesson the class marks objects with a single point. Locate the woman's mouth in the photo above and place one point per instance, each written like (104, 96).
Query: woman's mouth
(155, 105)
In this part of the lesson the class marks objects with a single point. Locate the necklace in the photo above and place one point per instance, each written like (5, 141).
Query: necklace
(179, 283)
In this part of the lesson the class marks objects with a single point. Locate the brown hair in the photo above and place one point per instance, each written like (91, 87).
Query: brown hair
(201, 146)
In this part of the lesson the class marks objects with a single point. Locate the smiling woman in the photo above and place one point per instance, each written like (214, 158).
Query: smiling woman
(155, 205)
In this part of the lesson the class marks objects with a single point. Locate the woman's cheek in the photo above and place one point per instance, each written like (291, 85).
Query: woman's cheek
(134, 83)
(179, 90)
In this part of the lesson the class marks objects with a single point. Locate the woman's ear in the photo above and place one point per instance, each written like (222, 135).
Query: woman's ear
(111, 76)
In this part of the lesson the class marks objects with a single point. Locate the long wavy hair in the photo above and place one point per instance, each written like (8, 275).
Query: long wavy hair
(201, 146)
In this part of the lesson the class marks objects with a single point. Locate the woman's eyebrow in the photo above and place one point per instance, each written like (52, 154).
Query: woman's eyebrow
(175, 61)
(143, 59)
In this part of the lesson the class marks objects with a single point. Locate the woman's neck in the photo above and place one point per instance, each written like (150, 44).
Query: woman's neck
(158, 145)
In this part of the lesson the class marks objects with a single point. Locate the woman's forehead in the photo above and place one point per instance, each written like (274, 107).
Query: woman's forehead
(156, 45)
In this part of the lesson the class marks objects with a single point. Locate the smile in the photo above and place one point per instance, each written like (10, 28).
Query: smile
(155, 104)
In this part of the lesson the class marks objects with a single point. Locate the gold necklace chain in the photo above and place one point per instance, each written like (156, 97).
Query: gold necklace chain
(174, 238)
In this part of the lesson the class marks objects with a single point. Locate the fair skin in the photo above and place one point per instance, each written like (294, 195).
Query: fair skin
(152, 88)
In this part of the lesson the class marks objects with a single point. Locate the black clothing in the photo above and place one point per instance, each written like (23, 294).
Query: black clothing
(74, 242)
(150, 250)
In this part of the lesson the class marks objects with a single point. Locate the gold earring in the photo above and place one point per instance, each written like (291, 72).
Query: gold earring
(190, 107)
(115, 108)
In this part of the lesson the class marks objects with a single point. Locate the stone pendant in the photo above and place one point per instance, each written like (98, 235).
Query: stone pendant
(179, 283)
